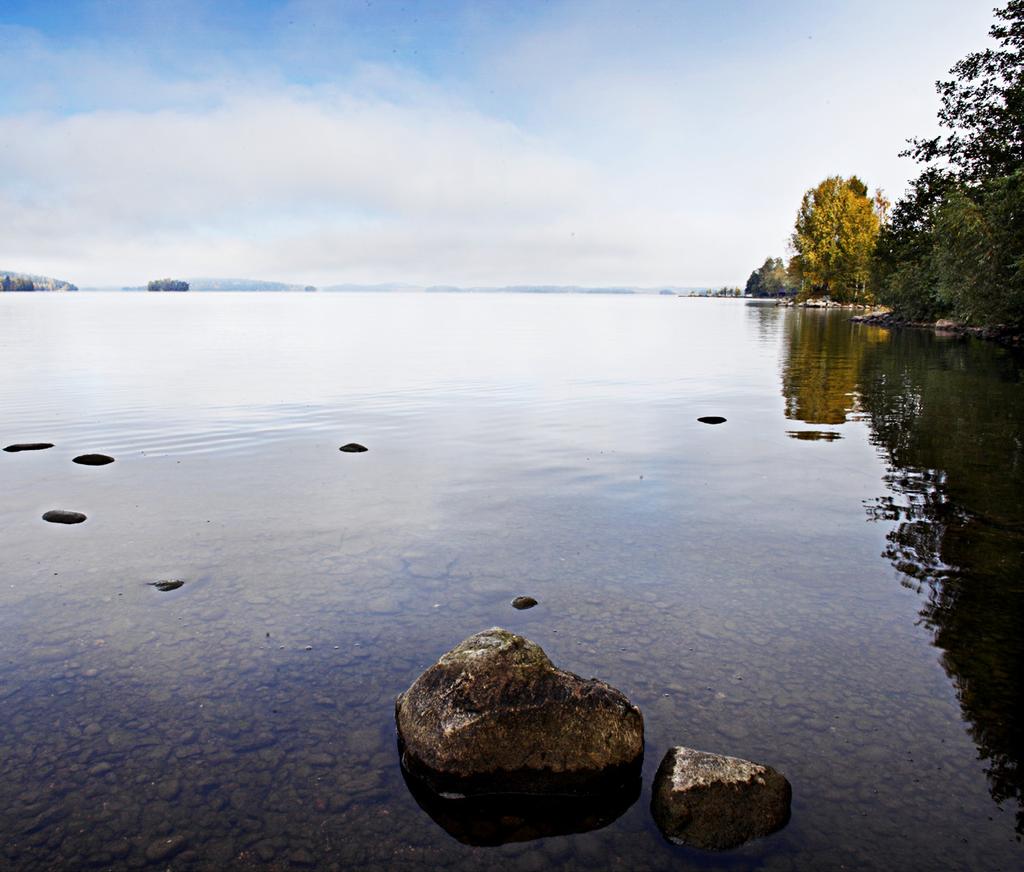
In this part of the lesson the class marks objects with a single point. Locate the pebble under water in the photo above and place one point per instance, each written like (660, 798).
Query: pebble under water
(844, 610)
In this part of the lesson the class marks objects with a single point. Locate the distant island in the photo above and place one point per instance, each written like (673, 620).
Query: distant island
(16, 281)
(167, 285)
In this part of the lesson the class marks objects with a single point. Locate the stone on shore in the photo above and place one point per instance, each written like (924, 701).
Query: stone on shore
(493, 715)
(523, 602)
(93, 459)
(28, 446)
(62, 516)
(714, 802)
(353, 448)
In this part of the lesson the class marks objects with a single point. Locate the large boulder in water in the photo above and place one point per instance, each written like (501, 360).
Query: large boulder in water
(493, 715)
(715, 802)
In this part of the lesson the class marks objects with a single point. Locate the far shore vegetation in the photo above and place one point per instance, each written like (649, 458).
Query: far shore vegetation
(15, 281)
(953, 245)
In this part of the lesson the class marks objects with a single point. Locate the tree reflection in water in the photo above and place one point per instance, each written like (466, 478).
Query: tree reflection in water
(821, 366)
(948, 417)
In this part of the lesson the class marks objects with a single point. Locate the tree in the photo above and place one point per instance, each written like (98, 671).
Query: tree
(983, 107)
(771, 279)
(955, 245)
(834, 240)
(979, 251)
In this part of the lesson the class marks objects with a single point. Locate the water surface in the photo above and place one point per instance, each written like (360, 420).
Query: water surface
(846, 607)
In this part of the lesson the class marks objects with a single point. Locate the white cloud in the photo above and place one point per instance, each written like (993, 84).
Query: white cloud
(669, 146)
(273, 172)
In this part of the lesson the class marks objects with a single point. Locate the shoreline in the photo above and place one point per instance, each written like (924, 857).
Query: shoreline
(1010, 337)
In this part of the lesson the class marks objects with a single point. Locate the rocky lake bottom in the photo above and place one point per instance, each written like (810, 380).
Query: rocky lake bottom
(203, 673)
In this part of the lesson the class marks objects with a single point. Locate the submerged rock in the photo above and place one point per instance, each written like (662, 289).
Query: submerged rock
(524, 602)
(712, 419)
(164, 848)
(29, 446)
(62, 516)
(715, 802)
(93, 459)
(353, 448)
(167, 584)
(493, 715)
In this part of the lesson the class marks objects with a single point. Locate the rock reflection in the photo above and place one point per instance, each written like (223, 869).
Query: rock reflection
(948, 418)
(500, 819)
(814, 435)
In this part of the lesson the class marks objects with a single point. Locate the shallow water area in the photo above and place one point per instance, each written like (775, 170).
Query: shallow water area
(847, 610)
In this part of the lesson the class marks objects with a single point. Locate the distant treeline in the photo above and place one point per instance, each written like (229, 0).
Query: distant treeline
(207, 284)
(953, 244)
(14, 281)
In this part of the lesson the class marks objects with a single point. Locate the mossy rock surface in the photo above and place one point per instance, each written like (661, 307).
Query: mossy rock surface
(715, 802)
(494, 715)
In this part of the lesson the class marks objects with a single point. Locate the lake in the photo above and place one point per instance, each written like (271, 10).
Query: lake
(831, 582)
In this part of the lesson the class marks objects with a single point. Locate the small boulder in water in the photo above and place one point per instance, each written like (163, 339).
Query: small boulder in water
(93, 459)
(62, 516)
(712, 419)
(524, 602)
(28, 446)
(714, 802)
(494, 716)
(353, 448)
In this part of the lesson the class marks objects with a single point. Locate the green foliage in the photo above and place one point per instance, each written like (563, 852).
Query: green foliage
(834, 240)
(983, 106)
(955, 245)
(979, 251)
(771, 279)
(903, 266)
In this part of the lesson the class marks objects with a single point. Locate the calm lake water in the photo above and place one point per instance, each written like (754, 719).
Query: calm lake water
(832, 582)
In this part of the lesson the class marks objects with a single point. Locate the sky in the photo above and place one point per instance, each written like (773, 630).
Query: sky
(444, 142)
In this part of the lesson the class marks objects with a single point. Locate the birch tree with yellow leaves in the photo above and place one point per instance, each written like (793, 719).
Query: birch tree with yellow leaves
(834, 239)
